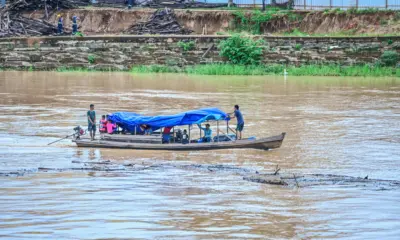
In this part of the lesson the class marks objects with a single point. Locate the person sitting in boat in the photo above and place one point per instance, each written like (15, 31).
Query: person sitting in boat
(207, 132)
(185, 137)
(111, 127)
(166, 134)
(146, 129)
(103, 123)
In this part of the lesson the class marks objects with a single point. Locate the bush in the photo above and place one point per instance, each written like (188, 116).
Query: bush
(79, 34)
(91, 59)
(298, 47)
(239, 49)
(389, 58)
(186, 45)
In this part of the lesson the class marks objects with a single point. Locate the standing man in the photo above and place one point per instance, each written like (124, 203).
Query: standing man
(60, 26)
(74, 25)
(240, 122)
(91, 116)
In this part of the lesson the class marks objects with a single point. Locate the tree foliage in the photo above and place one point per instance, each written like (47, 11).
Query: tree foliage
(239, 49)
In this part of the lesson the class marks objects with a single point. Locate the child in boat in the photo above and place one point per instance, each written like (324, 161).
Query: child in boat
(146, 129)
(110, 127)
(185, 137)
(103, 123)
(207, 132)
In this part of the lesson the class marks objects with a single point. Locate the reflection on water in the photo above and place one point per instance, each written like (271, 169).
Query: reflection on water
(335, 125)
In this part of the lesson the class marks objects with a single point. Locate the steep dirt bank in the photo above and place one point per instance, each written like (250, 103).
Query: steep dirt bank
(379, 23)
(114, 21)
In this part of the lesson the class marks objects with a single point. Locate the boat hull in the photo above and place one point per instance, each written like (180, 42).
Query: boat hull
(264, 144)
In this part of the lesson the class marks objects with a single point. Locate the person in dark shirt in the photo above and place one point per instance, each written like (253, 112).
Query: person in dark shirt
(74, 24)
(240, 122)
(91, 116)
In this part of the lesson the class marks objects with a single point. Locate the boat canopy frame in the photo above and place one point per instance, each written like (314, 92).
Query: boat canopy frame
(132, 121)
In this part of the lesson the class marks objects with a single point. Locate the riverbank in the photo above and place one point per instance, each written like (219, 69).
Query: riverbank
(192, 53)
(305, 70)
(242, 70)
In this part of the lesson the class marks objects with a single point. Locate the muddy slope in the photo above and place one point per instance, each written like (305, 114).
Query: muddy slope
(114, 21)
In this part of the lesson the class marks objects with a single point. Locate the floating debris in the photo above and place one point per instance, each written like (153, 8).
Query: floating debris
(273, 178)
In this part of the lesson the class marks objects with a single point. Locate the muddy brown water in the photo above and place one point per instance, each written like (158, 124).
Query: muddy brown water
(346, 126)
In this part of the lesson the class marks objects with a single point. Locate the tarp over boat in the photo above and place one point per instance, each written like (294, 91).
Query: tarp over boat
(130, 121)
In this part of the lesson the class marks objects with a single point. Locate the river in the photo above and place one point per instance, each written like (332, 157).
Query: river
(346, 126)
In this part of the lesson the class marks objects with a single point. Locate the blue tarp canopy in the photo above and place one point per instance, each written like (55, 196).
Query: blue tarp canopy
(129, 120)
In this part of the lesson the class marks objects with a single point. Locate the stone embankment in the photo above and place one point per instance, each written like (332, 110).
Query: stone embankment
(123, 52)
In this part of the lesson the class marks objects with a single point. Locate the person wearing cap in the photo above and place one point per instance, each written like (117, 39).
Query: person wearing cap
(60, 24)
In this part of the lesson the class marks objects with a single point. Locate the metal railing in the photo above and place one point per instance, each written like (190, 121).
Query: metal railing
(326, 4)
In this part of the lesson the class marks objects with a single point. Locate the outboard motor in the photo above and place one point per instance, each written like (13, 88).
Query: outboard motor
(78, 132)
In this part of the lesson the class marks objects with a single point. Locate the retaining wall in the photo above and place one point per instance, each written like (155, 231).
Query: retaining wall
(123, 52)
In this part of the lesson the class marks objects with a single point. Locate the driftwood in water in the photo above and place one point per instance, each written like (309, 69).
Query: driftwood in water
(162, 21)
(286, 179)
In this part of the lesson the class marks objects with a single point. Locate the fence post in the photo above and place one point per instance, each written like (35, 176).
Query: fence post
(330, 3)
(356, 4)
(305, 4)
(387, 4)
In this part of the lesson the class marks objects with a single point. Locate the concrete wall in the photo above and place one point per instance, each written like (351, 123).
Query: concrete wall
(122, 52)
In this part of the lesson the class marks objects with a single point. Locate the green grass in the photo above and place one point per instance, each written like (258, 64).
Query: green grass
(68, 69)
(255, 70)
(305, 70)
(349, 33)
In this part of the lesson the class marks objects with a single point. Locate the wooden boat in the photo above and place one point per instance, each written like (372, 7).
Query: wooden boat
(263, 143)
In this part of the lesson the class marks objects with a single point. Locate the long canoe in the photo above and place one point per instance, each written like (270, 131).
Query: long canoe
(263, 143)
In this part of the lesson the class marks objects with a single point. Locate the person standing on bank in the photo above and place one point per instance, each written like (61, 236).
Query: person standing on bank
(240, 122)
(91, 116)
(60, 25)
(74, 24)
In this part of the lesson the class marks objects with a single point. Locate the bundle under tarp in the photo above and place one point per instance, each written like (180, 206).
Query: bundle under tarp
(130, 121)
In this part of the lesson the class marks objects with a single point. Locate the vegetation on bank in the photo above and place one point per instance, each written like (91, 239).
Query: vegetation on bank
(345, 33)
(251, 70)
(304, 70)
(254, 21)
